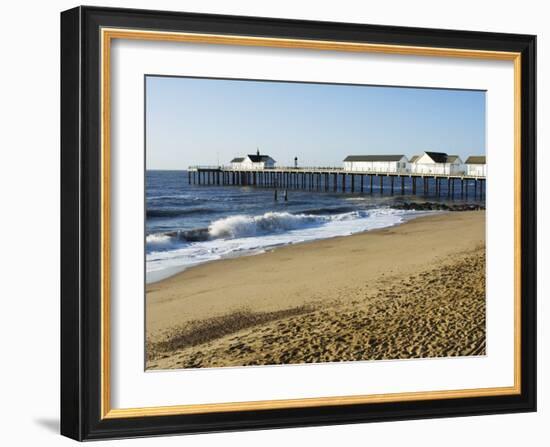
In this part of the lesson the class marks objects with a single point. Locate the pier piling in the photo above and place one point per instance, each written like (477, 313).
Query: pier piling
(319, 179)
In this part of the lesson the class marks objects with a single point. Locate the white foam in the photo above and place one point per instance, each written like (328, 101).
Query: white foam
(156, 241)
(271, 222)
(245, 235)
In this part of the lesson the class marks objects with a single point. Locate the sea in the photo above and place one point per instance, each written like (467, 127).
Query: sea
(187, 225)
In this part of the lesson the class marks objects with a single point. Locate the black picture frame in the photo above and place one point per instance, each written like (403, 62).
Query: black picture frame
(81, 223)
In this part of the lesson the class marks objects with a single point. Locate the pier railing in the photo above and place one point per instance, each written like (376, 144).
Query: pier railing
(207, 167)
(334, 169)
(278, 168)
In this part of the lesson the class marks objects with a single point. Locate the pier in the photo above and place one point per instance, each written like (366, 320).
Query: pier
(329, 179)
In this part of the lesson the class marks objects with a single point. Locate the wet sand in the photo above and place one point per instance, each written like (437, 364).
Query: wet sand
(411, 291)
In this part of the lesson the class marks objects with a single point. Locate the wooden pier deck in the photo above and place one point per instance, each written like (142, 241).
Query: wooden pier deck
(340, 180)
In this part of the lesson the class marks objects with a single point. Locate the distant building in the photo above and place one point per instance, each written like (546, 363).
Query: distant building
(476, 166)
(376, 163)
(237, 162)
(437, 163)
(253, 162)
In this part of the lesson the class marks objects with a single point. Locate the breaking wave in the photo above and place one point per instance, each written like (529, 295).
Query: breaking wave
(271, 222)
(244, 234)
(241, 226)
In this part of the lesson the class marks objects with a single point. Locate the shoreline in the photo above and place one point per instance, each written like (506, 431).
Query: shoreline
(204, 306)
(417, 208)
(269, 249)
(422, 209)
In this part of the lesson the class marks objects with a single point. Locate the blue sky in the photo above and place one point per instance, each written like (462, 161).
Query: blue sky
(206, 121)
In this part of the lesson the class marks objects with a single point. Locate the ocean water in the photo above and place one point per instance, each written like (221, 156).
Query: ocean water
(187, 225)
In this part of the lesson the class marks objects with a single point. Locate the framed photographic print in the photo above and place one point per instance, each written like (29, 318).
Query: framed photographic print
(277, 223)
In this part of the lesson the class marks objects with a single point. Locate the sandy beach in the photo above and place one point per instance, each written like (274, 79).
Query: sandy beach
(410, 291)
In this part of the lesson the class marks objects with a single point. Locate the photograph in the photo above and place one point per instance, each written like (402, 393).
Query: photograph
(292, 222)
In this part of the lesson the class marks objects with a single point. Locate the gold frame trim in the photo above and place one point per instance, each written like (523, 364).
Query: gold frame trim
(107, 35)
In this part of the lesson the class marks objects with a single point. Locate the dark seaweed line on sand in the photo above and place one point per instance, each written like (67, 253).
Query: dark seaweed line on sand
(196, 333)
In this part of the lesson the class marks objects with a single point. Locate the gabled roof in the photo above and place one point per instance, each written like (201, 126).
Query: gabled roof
(373, 158)
(476, 160)
(414, 158)
(452, 158)
(437, 157)
(237, 160)
(258, 158)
